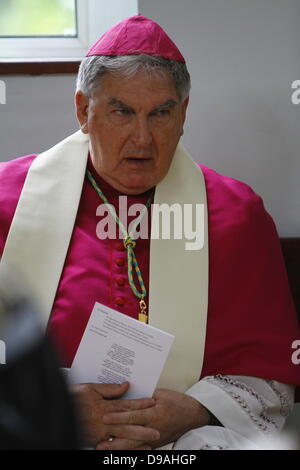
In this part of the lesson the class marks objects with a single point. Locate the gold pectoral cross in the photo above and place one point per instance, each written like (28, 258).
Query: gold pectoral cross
(143, 317)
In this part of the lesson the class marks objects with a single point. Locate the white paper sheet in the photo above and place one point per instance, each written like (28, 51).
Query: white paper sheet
(116, 348)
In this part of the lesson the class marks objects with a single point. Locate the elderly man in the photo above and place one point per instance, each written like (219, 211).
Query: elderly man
(229, 380)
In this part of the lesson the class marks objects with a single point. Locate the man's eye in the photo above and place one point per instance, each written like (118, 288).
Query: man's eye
(122, 112)
(162, 113)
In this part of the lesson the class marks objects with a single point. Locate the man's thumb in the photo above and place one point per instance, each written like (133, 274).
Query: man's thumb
(111, 390)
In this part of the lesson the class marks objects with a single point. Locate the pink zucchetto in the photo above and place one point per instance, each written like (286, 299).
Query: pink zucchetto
(136, 35)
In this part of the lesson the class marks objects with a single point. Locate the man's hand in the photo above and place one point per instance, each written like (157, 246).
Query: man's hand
(173, 415)
(96, 400)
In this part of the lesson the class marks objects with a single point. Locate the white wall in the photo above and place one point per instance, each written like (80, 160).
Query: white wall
(243, 56)
(39, 112)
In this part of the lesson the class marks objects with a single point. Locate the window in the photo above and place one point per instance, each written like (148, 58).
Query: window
(42, 18)
(56, 30)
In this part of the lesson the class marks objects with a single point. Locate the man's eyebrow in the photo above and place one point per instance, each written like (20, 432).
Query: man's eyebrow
(119, 104)
(169, 104)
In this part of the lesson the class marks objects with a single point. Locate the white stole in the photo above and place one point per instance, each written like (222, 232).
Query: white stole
(42, 227)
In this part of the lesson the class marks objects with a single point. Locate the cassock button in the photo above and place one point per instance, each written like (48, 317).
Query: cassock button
(119, 246)
(120, 281)
(119, 301)
(120, 262)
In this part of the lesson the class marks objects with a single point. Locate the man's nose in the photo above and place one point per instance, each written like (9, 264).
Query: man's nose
(142, 133)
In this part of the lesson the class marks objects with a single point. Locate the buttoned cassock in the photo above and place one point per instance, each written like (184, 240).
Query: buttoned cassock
(251, 322)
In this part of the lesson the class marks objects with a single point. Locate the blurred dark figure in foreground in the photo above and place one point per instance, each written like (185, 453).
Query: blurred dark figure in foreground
(36, 411)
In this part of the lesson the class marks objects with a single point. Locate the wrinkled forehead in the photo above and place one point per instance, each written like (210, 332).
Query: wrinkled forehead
(157, 82)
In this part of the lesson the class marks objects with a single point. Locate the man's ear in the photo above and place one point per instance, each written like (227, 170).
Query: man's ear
(184, 106)
(82, 104)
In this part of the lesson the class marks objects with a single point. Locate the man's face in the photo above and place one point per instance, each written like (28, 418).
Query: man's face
(134, 126)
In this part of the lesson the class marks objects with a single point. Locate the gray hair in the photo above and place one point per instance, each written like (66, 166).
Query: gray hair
(93, 68)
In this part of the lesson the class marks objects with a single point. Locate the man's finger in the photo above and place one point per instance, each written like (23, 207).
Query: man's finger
(101, 391)
(138, 433)
(111, 390)
(145, 447)
(118, 406)
(121, 444)
(138, 417)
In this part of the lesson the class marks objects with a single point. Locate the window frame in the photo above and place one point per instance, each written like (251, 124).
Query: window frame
(63, 54)
(36, 48)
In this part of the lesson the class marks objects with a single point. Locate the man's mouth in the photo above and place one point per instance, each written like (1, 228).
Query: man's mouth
(138, 161)
(134, 159)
